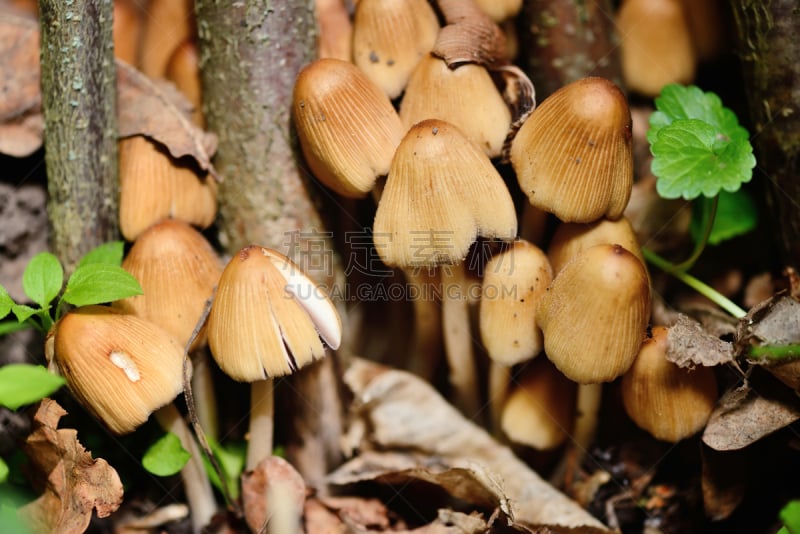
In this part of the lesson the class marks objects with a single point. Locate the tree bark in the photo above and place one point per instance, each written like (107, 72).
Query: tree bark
(564, 40)
(80, 116)
(769, 48)
(250, 54)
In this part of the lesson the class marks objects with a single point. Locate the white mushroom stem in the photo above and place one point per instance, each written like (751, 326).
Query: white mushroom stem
(587, 409)
(262, 417)
(427, 342)
(196, 483)
(204, 394)
(499, 378)
(458, 340)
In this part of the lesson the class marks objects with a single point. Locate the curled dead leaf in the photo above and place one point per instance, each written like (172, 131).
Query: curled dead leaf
(690, 345)
(74, 483)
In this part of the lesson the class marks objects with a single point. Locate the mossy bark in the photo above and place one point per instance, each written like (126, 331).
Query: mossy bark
(564, 40)
(769, 47)
(250, 54)
(80, 138)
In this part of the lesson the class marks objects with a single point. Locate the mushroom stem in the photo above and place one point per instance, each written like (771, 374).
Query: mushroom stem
(203, 388)
(458, 340)
(196, 484)
(262, 416)
(427, 342)
(499, 378)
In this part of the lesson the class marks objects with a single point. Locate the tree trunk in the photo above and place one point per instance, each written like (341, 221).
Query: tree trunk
(80, 116)
(564, 40)
(769, 48)
(250, 54)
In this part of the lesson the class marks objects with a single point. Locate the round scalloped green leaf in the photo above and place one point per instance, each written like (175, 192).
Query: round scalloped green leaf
(166, 456)
(692, 159)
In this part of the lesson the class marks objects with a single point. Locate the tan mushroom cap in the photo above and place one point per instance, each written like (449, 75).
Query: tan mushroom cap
(154, 186)
(500, 10)
(268, 316)
(120, 367)
(670, 402)
(177, 269)
(465, 97)
(513, 283)
(570, 239)
(441, 193)
(594, 314)
(573, 154)
(389, 39)
(347, 127)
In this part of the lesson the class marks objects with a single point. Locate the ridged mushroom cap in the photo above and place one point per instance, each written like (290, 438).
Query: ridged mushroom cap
(268, 316)
(347, 127)
(573, 154)
(594, 314)
(570, 239)
(441, 193)
(120, 367)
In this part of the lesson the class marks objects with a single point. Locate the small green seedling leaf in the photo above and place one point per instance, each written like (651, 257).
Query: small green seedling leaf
(736, 215)
(108, 253)
(23, 312)
(166, 456)
(96, 283)
(22, 384)
(231, 459)
(790, 515)
(691, 159)
(3, 471)
(43, 278)
(6, 302)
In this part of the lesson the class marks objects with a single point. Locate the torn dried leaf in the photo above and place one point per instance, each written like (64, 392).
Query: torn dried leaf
(689, 345)
(74, 484)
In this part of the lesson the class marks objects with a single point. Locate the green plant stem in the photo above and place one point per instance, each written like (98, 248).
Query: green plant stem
(776, 352)
(709, 214)
(699, 286)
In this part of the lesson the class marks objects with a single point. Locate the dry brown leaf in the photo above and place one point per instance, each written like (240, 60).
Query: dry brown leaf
(386, 415)
(689, 345)
(358, 512)
(271, 472)
(747, 414)
(146, 108)
(319, 519)
(74, 484)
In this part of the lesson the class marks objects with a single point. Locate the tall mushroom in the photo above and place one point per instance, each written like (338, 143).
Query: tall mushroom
(266, 321)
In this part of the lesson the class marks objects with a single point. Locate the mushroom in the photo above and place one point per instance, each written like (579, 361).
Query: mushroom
(442, 192)
(594, 314)
(167, 25)
(183, 70)
(500, 10)
(655, 45)
(570, 239)
(573, 154)
(347, 127)
(513, 282)
(122, 368)
(266, 321)
(390, 38)
(670, 402)
(154, 186)
(464, 96)
(127, 28)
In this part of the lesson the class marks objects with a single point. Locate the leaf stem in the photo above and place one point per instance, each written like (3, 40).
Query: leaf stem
(709, 214)
(776, 352)
(699, 286)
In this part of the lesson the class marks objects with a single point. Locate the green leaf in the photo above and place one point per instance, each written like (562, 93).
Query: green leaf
(790, 515)
(691, 159)
(108, 253)
(3, 471)
(231, 459)
(6, 302)
(689, 102)
(43, 278)
(96, 283)
(11, 326)
(736, 215)
(166, 456)
(23, 312)
(22, 384)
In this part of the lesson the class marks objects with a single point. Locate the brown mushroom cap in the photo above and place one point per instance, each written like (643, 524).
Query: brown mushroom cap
(594, 314)
(670, 402)
(268, 316)
(441, 193)
(570, 239)
(119, 367)
(573, 154)
(347, 127)
(177, 269)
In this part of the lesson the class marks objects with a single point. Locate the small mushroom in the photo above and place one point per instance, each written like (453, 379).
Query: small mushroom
(167, 25)
(390, 38)
(266, 321)
(183, 69)
(670, 402)
(573, 154)
(570, 239)
(594, 314)
(500, 10)
(347, 127)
